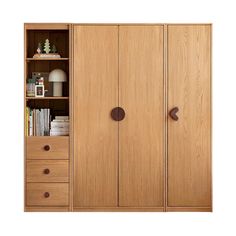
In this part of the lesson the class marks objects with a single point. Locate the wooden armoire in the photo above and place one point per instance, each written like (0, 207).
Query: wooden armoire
(138, 98)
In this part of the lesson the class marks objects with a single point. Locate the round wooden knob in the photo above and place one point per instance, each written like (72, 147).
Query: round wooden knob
(46, 147)
(46, 194)
(46, 171)
(117, 113)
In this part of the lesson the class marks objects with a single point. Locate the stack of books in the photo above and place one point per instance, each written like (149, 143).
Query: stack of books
(60, 126)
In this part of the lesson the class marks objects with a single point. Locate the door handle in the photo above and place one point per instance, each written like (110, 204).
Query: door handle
(117, 113)
(173, 112)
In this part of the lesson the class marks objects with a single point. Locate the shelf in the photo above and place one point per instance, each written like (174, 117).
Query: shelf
(46, 98)
(47, 59)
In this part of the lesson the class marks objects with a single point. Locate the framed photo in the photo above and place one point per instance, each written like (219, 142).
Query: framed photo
(48, 87)
(39, 90)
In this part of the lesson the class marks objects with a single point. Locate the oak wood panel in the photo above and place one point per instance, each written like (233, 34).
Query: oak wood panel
(47, 209)
(189, 138)
(59, 147)
(46, 26)
(189, 209)
(119, 209)
(58, 170)
(141, 133)
(95, 133)
(59, 194)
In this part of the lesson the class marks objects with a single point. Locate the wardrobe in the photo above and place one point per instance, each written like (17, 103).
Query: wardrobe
(138, 98)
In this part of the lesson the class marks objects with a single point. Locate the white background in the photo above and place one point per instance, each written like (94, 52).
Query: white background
(223, 16)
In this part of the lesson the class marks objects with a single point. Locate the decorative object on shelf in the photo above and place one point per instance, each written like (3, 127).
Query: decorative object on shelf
(48, 87)
(30, 87)
(44, 55)
(39, 88)
(54, 49)
(57, 76)
(45, 52)
(47, 46)
(40, 48)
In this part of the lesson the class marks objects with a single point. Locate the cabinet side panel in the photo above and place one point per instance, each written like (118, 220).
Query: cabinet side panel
(189, 138)
(141, 133)
(95, 133)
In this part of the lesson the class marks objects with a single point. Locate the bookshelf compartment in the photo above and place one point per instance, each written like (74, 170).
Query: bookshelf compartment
(46, 66)
(47, 117)
(60, 38)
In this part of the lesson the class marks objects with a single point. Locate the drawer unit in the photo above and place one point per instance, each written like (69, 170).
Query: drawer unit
(47, 170)
(46, 147)
(47, 194)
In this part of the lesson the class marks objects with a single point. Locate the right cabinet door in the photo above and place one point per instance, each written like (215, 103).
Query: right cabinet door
(189, 137)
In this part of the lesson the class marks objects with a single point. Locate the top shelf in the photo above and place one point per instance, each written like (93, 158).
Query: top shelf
(47, 59)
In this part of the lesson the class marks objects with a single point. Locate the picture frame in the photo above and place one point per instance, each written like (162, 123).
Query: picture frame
(39, 90)
(48, 87)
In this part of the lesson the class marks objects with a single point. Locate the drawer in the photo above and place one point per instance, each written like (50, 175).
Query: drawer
(47, 170)
(46, 147)
(47, 194)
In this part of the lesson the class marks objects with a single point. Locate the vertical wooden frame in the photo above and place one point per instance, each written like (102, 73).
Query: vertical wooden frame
(71, 151)
(165, 94)
(24, 133)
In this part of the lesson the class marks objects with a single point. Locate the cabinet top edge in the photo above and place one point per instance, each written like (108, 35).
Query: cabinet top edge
(47, 26)
(66, 26)
(137, 24)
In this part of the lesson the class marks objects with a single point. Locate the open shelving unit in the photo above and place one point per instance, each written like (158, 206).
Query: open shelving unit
(58, 34)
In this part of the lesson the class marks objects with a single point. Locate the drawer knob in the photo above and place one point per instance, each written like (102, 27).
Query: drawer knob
(46, 147)
(46, 171)
(46, 195)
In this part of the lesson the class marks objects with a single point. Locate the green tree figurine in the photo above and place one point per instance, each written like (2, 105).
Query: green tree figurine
(54, 49)
(47, 46)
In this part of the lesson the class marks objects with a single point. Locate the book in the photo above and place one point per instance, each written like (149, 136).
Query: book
(61, 117)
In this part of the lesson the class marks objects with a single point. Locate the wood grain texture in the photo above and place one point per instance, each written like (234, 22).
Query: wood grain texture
(58, 170)
(189, 209)
(119, 209)
(141, 133)
(95, 133)
(59, 147)
(46, 209)
(59, 194)
(46, 26)
(189, 138)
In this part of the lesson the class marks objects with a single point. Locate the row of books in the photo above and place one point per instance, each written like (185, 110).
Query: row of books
(39, 123)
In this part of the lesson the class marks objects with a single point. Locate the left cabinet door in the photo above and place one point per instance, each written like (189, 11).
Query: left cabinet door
(95, 93)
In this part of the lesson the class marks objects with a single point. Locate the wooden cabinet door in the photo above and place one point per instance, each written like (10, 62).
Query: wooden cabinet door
(95, 91)
(142, 130)
(189, 138)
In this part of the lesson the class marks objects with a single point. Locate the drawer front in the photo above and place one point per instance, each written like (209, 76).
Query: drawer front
(47, 171)
(47, 147)
(47, 194)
